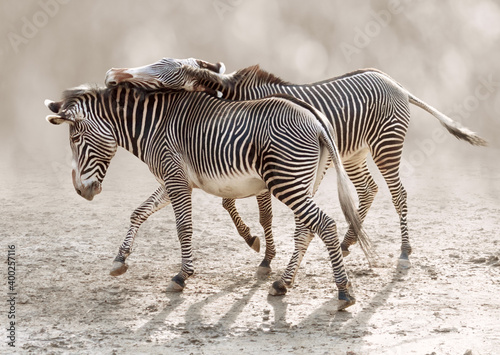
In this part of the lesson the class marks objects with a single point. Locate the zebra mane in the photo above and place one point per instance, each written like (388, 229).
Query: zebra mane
(75, 92)
(94, 89)
(255, 75)
(350, 74)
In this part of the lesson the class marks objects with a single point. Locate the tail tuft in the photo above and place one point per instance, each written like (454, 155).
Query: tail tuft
(465, 134)
(455, 128)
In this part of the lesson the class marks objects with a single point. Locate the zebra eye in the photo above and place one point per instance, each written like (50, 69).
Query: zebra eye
(75, 138)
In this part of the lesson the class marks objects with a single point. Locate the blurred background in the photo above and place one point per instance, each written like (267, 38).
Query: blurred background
(446, 53)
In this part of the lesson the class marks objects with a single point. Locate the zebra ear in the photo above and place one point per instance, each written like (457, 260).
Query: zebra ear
(57, 120)
(219, 68)
(56, 107)
(53, 106)
(222, 68)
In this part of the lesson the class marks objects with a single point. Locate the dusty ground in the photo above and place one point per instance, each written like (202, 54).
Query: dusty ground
(447, 303)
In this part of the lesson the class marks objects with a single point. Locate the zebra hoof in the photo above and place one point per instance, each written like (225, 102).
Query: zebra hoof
(346, 299)
(255, 244)
(263, 272)
(277, 289)
(343, 304)
(404, 261)
(118, 268)
(174, 287)
(345, 250)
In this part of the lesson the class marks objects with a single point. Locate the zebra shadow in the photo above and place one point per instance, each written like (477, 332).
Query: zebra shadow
(194, 317)
(158, 320)
(347, 322)
(325, 319)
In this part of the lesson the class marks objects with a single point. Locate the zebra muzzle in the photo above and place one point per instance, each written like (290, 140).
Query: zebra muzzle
(115, 76)
(88, 192)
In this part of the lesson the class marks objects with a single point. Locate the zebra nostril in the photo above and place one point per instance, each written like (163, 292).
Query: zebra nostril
(79, 192)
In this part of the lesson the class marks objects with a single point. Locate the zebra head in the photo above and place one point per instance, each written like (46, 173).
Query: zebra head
(167, 73)
(93, 142)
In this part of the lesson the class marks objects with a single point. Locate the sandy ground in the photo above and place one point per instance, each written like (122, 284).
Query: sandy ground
(447, 303)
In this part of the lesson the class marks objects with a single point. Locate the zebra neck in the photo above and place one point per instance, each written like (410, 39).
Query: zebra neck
(135, 117)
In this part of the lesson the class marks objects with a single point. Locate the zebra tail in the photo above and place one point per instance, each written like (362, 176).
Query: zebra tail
(347, 202)
(453, 127)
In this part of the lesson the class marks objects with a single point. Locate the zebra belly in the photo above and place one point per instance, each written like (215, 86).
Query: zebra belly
(231, 187)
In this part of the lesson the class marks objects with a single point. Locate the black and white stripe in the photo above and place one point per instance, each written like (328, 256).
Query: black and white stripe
(232, 149)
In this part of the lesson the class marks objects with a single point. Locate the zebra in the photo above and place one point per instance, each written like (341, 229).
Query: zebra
(367, 108)
(231, 149)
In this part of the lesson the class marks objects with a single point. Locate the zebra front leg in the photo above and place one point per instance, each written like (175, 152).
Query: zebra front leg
(266, 220)
(243, 230)
(155, 202)
(179, 193)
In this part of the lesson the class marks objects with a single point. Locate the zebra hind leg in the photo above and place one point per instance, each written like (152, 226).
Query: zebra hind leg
(366, 189)
(243, 230)
(399, 198)
(387, 156)
(310, 215)
(266, 218)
